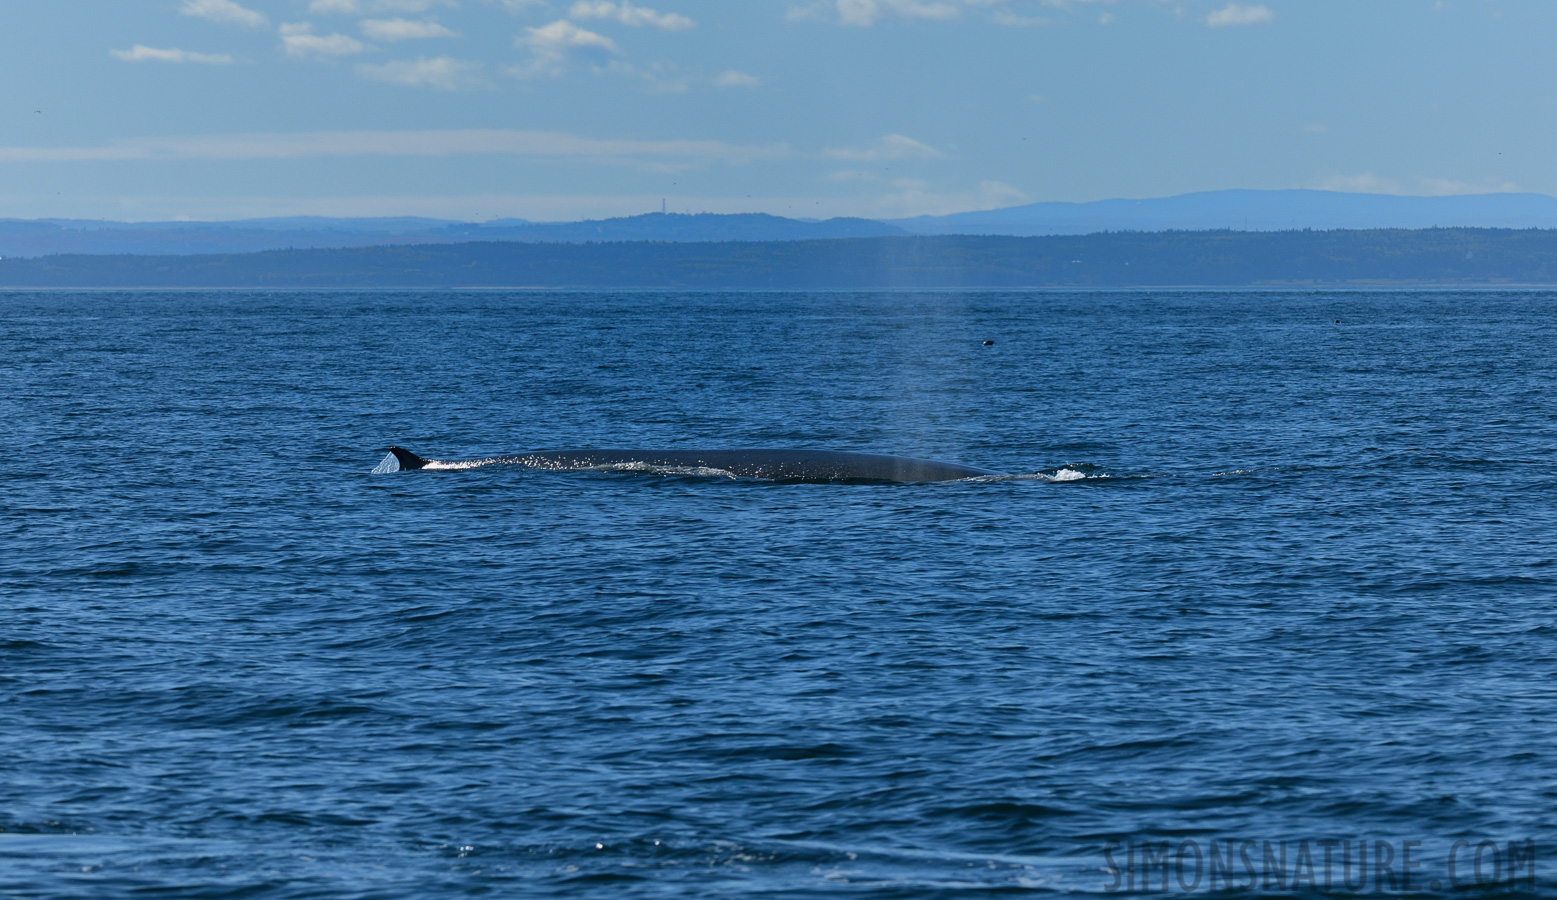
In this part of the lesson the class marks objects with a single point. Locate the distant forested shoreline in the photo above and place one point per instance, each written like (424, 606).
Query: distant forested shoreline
(1447, 256)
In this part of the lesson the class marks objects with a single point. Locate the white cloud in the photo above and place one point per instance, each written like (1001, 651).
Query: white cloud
(732, 78)
(554, 44)
(225, 11)
(661, 78)
(298, 39)
(391, 30)
(892, 146)
(142, 53)
(1012, 20)
(1234, 14)
(515, 6)
(464, 207)
(913, 197)
(1009, 13)
(1366, 183)
(1445, 187)
(868, 12)
(440, 72)
(306, 145)
(628, 14)
(359, 7)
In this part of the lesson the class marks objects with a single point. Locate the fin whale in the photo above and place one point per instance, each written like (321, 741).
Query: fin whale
(769, 465)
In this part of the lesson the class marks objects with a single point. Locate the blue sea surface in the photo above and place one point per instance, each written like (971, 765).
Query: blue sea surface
(1271, 567)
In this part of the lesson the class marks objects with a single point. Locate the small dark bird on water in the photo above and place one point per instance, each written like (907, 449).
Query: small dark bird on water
(989, 343)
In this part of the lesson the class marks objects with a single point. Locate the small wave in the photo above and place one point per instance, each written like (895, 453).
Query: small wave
(1061, 475)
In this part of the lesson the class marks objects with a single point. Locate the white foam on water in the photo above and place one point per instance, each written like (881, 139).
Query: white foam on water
(390, 464)
(1059, 476)
(438, 465)
(386, 465)
(643, 468)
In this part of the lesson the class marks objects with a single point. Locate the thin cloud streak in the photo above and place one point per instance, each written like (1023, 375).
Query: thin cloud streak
(559, 207)
(440, 72)
(552, 45)
(390, 30)
(298, 39)
(143, 53)
(1369, 183)
(359, 7)
(224, 11)
(1234, 15)
(865, 13)
(733, 78)
(309, 145)
(630, 15)
(891, 146)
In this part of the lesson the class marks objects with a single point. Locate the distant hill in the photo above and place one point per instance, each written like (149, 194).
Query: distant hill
(1126, 259)
(1250, 211)
(1229, 210)
(677, 227)
(33, 238)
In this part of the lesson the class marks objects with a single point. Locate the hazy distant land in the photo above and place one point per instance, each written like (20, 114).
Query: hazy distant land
(1208, 211)
(56, 236)
(1452, 256)
(1251, 211)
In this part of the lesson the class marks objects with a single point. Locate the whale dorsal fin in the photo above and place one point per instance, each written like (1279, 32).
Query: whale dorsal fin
(407, 459)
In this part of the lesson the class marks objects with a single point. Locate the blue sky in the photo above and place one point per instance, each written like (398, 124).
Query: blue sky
(555, 109)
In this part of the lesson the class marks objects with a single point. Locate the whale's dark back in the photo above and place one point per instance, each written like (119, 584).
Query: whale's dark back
(772, 465)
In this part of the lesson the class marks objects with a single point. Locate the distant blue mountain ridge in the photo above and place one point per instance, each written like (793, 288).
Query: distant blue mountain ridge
(1240, 210)
(1236, 210)
(45, 237)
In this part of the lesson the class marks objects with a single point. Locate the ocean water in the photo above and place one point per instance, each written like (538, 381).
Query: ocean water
(1274, 570)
